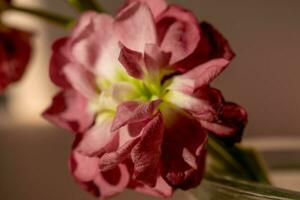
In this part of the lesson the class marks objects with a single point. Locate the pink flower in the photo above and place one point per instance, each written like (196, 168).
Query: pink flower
(15, 52)
(135, 92)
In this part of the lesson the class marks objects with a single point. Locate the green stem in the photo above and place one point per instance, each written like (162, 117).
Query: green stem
(51, 17)
(83, 5)
(237, 161)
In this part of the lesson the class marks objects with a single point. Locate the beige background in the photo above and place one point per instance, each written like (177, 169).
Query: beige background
(264, 78)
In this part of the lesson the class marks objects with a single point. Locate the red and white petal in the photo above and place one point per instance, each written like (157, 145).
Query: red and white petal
(64, 111)
(135, 26)
(86, 171)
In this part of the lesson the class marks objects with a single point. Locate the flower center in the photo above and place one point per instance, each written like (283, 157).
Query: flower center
(123, 88)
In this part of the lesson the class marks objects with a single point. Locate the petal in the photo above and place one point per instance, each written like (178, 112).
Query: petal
(211, 46)
(183, 150)
(199, 76)
(131, 61)
(207, 72)
(191, 103)
(231, 123)
(132, 112)
(178, 33)
(64, 111)
(161, 189)
(110, 160)
(156, 6)
(93, 48)
(146, 154)
(135, 26)
(57, 63)
(99, 139)
(155, 59)
(86, 172)
(80, 79)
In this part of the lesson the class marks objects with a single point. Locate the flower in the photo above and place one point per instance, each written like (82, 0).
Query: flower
(15, 52)
(135, 92)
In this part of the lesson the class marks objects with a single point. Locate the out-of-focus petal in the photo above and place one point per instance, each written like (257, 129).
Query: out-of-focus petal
(57, 63)
(183, 150)
(81, 80)
(146, 155)
(15, 53)
(135, 26)
(64, 111)
(156, 6)
(178, 33)
(132, 112)
(95, 49)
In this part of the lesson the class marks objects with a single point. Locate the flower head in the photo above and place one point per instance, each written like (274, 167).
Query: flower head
(135, 91)
(15, 52)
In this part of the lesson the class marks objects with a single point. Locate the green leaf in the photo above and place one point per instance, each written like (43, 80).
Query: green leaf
(83, 5)
(236, 161)
(221, 188)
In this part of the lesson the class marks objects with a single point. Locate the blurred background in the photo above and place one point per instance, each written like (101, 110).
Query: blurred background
(264, 78)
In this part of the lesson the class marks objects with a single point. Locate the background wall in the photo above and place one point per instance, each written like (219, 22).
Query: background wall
(264, 78)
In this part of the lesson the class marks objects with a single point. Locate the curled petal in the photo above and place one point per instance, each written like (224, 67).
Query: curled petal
(156, 6)
(211, 46)
(132, 112)
(199, 76)
(230, 124)
(135, 26)
(146, 155)
(64, 111)
(178, 33)
(131, 61)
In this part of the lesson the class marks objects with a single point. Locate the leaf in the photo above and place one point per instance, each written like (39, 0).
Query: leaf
(236, 161)
(83, 5)
(221, 188)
